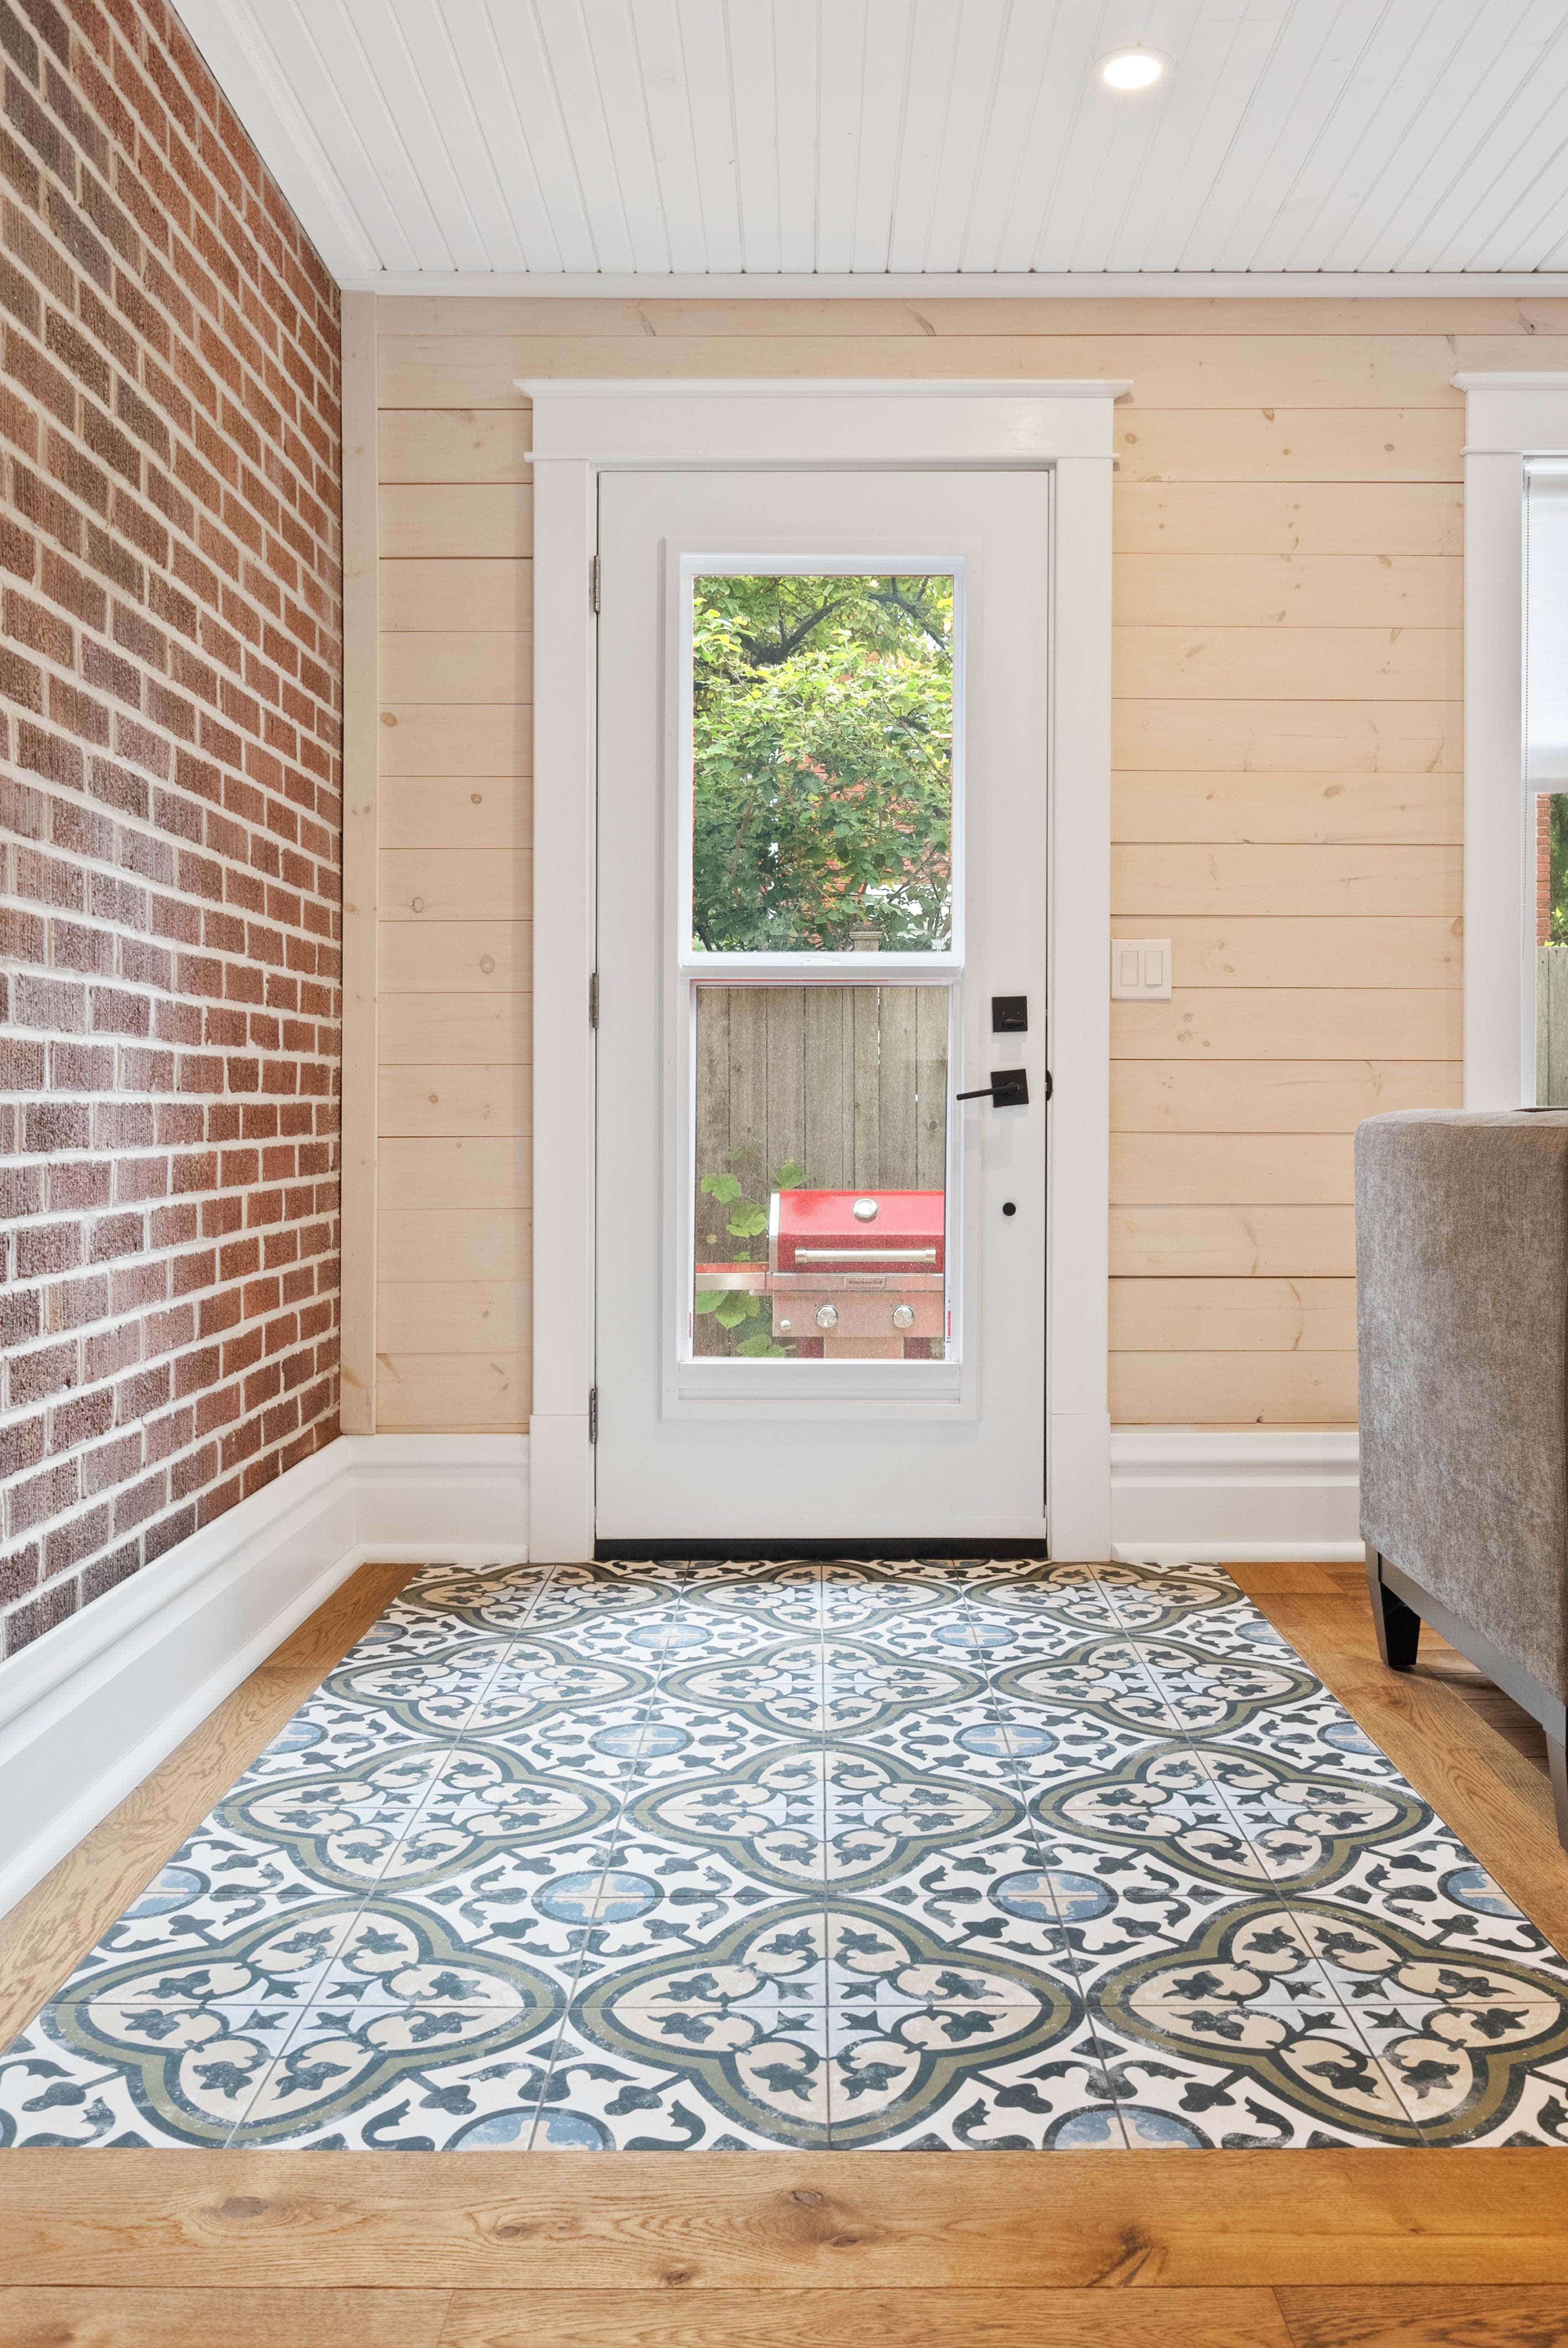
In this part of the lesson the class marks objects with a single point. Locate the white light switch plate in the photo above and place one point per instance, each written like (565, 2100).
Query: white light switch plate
(1141, 970)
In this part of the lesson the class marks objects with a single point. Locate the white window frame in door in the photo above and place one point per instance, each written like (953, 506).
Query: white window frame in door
(1510, 418)
(581, 429)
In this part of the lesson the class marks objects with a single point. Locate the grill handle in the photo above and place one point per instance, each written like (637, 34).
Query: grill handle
(866, 1256)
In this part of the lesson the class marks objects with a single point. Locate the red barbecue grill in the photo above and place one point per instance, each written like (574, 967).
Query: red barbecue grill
(858, 1275)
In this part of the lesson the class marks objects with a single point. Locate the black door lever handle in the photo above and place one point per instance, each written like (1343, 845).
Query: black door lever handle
(1008, 1088)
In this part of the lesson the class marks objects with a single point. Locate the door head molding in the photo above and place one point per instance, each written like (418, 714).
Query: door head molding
(723, 424)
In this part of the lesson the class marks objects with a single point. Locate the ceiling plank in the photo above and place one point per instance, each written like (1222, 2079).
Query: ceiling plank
(530, 86)
(656, 26)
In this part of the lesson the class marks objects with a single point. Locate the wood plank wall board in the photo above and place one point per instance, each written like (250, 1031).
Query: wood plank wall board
(454, 1100)
(454, 1239)
(1288, 806)
(1298, 811)
(454, 1234)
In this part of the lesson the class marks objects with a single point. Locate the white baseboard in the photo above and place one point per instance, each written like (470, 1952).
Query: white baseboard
(463, 1497)
(1178, 1494)
(88, 1710)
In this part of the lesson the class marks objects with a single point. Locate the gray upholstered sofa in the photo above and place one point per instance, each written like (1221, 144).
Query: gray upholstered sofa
(1461, 1261)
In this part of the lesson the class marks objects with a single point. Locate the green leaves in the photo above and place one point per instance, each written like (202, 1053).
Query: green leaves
(822, 720)
(734, 1308)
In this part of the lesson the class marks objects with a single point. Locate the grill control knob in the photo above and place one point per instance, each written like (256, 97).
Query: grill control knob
(903, 1316)
(864, 1211)
(783, 1324)
(827, 1316)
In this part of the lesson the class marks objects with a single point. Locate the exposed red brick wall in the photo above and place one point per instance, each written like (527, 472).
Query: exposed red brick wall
(170, 759)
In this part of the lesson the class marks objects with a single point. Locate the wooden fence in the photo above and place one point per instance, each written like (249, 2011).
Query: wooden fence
(1551, 1026)
(849, 1082)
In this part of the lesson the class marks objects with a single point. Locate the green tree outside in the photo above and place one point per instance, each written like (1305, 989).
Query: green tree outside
(822, 763)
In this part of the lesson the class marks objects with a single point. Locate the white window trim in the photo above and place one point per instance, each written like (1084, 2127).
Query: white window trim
(583, 428)
(1508, 418)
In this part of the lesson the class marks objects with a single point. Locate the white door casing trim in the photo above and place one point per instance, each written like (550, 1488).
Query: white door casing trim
(583, 428)
(96, 1703)
(1508, 419)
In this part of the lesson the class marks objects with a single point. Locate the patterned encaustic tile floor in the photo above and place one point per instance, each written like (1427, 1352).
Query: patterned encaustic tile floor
(931, 1856)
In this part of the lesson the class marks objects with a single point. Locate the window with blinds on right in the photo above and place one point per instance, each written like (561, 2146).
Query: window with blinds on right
(1546, 772)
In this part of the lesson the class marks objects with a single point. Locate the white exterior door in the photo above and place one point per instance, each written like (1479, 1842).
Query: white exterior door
(822, 754)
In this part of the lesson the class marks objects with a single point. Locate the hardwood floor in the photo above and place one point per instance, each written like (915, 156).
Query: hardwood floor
(1524, 2317)
(1232, 2249)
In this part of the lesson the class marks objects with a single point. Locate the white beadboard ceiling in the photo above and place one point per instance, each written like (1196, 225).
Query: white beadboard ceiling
(593, 144)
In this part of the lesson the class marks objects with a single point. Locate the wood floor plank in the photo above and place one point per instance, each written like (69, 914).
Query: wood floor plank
(229, 2319)
(1492, 1796)
(1450, 2318)
(883, 2319)
(48, 1932)
(1272, 1576)
(771, 2220)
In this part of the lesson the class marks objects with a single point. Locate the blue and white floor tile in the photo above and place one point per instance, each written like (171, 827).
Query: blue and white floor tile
(948, 1854)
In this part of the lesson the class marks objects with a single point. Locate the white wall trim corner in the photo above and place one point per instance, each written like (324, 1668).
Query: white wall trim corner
(92, 1708)
(583, 428)
(1235, 1494)
(1509, 417)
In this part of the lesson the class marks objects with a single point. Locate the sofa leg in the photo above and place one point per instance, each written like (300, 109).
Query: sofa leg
(1557, 1763)
(1398, 1626)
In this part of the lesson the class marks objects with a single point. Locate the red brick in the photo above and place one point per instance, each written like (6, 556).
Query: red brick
(21, 1445)
(76, 1422)
(37, 1498)
(168, 362)
(79, 1182)
(18, 1573)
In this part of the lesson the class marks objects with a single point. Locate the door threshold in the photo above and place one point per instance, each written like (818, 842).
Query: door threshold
(765, 1552)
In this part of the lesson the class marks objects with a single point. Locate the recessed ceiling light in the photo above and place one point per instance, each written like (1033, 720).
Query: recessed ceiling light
(1132, 69)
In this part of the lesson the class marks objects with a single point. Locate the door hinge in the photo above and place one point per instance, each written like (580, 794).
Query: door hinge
(593, 1414)
(593, 1000)
(593, 582)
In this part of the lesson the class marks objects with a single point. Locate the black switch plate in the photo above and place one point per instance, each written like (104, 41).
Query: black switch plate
(1009, 1014)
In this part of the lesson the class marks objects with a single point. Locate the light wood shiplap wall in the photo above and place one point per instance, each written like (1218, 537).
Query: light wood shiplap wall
(454, 1236)
(1287, 808)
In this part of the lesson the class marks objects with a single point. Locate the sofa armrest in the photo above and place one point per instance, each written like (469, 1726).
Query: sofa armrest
(1462, 1255)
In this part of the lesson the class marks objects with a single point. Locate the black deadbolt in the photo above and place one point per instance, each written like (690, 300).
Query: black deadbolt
(1009, 1014)
(1009, 1208)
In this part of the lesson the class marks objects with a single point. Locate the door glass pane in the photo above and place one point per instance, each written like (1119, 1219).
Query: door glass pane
(821, 717)
(1551, 911)
(820, 1190)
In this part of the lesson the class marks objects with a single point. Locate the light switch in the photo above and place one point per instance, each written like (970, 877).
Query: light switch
(1141, 970)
